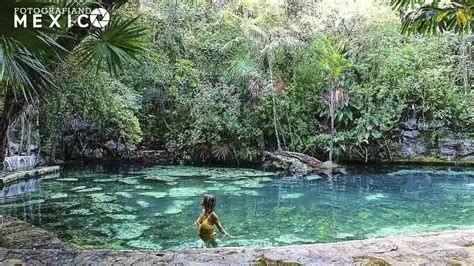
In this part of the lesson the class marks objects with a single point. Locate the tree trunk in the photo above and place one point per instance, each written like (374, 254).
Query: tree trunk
(331, 114)
(275, 124)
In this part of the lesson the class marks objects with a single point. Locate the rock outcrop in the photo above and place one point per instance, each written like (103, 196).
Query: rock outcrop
(444, 145)
(298, 164)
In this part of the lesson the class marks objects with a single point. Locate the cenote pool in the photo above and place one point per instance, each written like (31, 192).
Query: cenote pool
(154, 208)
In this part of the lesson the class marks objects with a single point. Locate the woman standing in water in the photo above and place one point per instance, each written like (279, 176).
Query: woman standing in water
(206, 221)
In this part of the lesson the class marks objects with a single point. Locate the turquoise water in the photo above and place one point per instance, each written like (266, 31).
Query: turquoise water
(154, 208)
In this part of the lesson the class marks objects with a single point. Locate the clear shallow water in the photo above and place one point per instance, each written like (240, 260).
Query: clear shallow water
(154, 208)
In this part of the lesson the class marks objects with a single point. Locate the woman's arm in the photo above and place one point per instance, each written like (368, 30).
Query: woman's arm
(217, 222)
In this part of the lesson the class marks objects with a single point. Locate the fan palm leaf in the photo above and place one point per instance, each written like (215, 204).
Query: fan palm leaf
(120, 42)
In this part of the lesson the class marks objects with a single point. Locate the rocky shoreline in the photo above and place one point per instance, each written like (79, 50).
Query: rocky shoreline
(24, 244)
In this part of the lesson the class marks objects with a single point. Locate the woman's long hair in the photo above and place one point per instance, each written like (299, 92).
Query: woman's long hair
(208, 203)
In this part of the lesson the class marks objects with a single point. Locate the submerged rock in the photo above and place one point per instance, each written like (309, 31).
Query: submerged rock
(161, 178)
(143, 204)
(312, 177)
(109, 208)
(77, 188)
(431, 172)
(292, 195)
(122, 216)
(92, 189)
(248, 183)
(178, 206)
(129, 230)
(143, 187)
(81, 212)
(155, 194)
(376, 196)
(292, 239)
(144, 244)
(125, 194)
(186, 192)
(58, 196)
(129, 181)
(67, 179)
(105, 180)
(101, 197)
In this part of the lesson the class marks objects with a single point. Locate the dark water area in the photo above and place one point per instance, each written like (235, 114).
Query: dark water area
(119, 206)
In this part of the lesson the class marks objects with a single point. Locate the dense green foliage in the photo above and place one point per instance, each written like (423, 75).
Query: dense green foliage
(228, 82)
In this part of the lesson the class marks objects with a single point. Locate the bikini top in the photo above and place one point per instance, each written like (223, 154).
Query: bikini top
(205, 224)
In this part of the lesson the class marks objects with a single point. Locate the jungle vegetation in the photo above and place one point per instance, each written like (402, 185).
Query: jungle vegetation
(219, 81)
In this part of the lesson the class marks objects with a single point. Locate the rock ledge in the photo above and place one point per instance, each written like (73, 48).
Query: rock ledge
(21, 243)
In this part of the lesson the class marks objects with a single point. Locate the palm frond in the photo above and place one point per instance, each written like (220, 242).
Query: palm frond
(121, 41)
(221, 152)
(23, 69)
(431, 17)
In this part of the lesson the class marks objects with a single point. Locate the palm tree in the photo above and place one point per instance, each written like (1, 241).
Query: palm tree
(433, 16)
(28, 56)
(333, 64)
(262, 45)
